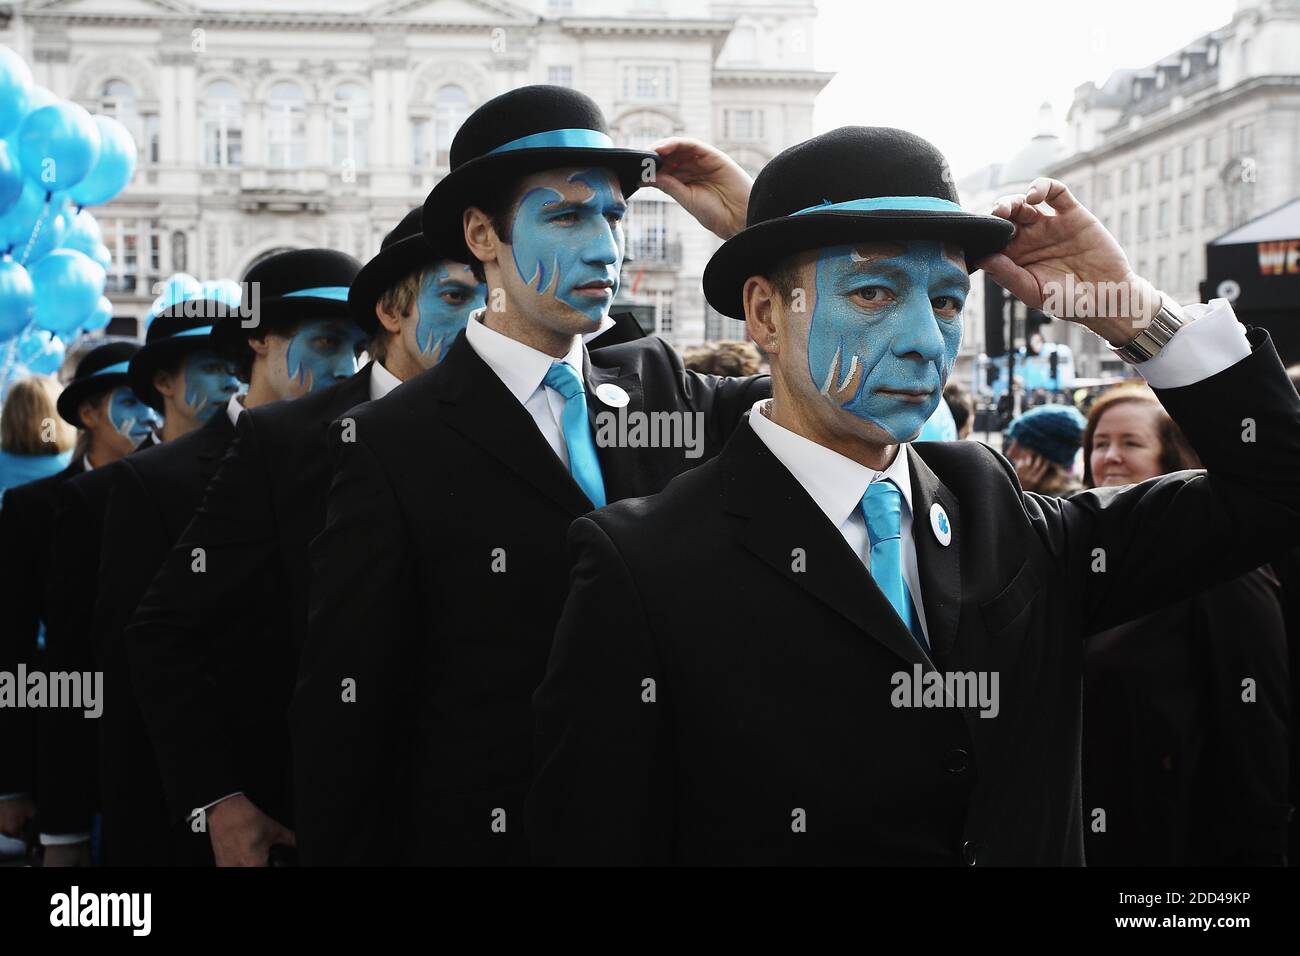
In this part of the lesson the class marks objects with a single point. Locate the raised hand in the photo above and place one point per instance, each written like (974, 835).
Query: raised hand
(706, 182)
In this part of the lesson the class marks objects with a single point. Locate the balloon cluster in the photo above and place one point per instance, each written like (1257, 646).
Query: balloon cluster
(55, 160)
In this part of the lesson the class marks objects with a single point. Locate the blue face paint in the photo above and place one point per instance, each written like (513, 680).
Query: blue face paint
(448, 294)
(890, 320)
(571, 237)
(130, 417)
(209, 383)
(323, 352)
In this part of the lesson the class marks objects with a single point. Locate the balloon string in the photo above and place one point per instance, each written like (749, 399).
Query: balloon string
(36, 231)
(11, 354)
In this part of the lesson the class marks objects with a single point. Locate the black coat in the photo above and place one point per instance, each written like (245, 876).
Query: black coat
(1186, 771)
(214, 655)
(436, 585)
(153, 496)
(773, 736)
(26, 532)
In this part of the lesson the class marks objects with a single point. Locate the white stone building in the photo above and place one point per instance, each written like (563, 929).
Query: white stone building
(1183, 150)
(295, 123)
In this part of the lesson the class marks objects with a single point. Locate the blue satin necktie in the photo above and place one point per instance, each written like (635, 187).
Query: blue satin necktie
(882, 506)
(584, 466)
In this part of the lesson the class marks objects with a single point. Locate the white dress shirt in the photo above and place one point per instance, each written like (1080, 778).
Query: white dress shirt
(1212, 340)
(235, 408)
(382, 381)
(522, 368)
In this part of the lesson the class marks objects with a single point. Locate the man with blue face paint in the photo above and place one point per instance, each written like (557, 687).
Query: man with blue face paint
(28, 579)
(265, 503)
(470, 474)
(894, 675)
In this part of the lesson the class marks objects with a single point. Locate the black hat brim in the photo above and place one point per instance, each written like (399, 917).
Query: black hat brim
(467, 185)
(760, 248)
(78, 391)
(381, 273)
(230, 335)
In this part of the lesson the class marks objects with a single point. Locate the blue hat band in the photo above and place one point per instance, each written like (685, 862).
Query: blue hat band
(886, 203)
(339, 293)
(118, 369)
(558, 139)
(199, 330)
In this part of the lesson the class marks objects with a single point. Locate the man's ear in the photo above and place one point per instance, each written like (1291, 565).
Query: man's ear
(261, 348)
(165, 383)
(390, 320)
(92, 411)
(763, 311)
(480, 235)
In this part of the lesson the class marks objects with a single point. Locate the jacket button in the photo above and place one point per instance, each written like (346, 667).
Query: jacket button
(956, 761)
(968, 853)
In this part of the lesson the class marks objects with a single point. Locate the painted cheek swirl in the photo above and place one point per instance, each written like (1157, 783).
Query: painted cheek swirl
(207, 390)
(441, 321)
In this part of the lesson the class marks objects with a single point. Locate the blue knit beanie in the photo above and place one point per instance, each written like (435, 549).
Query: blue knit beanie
(1054, 431)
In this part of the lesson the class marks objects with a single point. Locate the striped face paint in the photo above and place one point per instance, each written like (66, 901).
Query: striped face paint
(567, 241)
(323, 352)
(885, 330)
(130, 417)
(448, 294)
(208, 381)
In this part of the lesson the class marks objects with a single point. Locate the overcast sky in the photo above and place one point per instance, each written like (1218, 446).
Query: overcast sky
(969, 77)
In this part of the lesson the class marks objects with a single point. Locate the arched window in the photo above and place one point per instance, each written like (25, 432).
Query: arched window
(432, 133)
(286, 126)
(639, 130)
(223, 124)
(118, 100)
(351, 125)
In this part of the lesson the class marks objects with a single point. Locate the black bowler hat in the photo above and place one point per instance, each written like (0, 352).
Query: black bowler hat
(289, 287)
(852, 184)
(524, 131)
(403, 251)
(176, 331)
(100, 370)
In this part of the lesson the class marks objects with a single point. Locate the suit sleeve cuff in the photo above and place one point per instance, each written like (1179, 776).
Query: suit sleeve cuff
(205, 809)
(1211, 341)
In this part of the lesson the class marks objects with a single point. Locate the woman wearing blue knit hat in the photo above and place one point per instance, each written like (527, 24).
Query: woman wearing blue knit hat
(1042, 444)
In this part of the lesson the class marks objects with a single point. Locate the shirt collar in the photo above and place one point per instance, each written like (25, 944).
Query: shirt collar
(520, 367)
(382, 381)
(834, 482)
(234, 408)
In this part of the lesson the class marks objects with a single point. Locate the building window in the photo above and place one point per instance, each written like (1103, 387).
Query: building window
(647, 231)
(1162, 218)
(1183, 261)
(1144, 174)
(1125, 181)
(1211, 150)
(351, 125)
(1210, 208)
(559, 75)
(742, 126)
(152, 131)
(1185, 164)
(1185, 211)
(1143, 223)
(647, 84)
(1124, 236)
(1103, 186)
(1161, 264)
(432, 135)
(223, 131)
(1246, 138)
(1166, 166)
(286, 126)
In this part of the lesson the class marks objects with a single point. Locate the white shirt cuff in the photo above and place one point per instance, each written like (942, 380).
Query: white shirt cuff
(64, 839)
(1211, 341)
(194, 813)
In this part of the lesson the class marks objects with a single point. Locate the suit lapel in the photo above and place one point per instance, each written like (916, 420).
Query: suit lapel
(624, 470)
(938, 566)
(480, 407)
(217, 434)
(779, 522)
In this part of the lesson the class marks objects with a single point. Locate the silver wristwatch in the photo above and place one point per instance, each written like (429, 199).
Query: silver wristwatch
(1153, 338)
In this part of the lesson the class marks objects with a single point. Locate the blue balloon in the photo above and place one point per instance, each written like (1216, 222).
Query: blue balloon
(83, 234)
(68, 285)
(17, 299)
(11, 179)
(102, 255)
(40, 351)
(99, 317)
(178, 287)
(33, 206)
(113, 170)
(15, 90)
(58, 145)
(54, 230)
(223, 290)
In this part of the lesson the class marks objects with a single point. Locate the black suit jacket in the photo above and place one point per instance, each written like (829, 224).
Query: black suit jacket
(215, 654)
(1188, 769)
(26, 530)
(436, 585)
(773, 735)
(154, 493)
